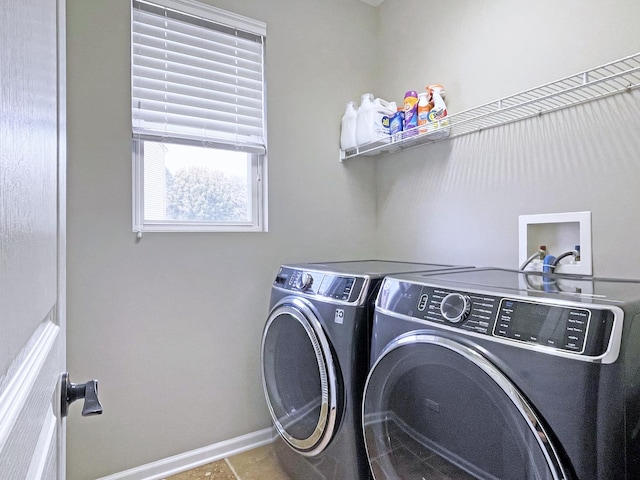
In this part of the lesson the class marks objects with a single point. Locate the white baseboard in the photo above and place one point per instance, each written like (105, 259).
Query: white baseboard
(195, 458)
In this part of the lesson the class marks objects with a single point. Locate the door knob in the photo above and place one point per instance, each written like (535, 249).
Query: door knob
(70, 392)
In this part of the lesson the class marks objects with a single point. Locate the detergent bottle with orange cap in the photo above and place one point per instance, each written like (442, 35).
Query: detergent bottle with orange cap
(425, 105)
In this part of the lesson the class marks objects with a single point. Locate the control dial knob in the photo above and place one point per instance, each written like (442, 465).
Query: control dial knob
(455, 307)
(304, 281)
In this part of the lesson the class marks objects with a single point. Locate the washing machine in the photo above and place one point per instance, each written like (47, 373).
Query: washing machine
(315, 357)
(501, 374)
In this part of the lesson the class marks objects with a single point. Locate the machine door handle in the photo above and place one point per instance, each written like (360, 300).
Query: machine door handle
(70, 392)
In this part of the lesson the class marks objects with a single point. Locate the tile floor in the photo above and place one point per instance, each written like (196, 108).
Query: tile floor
(256, 464)
(411, 461)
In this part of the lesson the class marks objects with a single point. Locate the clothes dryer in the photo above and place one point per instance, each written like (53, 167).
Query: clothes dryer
(315, 358)
(499, 374)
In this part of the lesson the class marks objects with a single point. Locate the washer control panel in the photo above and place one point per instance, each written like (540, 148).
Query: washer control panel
(467, 310)
(320, 284)
(553, 326)
(575, 329)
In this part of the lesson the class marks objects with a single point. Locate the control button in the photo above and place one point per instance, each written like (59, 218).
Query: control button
(304, 281)
(423, 302)
(455, 307)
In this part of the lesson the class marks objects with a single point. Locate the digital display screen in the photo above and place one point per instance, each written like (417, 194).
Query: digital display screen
(539, 322)
(337, 287)
(549, 325)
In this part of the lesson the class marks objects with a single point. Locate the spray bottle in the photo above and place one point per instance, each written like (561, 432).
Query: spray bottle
(439, 110)
(438, 114)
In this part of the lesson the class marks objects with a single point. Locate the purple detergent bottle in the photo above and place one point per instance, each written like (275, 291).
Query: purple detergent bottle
(410, 112)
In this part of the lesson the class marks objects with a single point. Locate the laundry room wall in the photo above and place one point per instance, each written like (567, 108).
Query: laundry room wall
(171, 325)
(458, 201)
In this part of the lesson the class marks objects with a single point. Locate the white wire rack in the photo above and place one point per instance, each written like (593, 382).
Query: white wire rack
(609, 79)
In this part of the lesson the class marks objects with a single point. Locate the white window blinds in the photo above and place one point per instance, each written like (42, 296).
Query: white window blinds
(195, 80)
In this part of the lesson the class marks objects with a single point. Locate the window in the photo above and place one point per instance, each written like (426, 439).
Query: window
(198, 113)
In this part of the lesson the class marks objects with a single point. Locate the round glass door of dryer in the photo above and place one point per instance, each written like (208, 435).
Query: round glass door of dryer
(435, 408)
(299, 376)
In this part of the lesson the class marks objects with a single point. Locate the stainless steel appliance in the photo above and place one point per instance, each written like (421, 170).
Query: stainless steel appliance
(315, 358)
(499, 374)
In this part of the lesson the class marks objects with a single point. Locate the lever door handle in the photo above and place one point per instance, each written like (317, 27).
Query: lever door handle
(70, 392)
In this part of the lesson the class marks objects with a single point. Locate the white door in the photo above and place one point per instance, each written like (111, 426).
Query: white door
(32, 238)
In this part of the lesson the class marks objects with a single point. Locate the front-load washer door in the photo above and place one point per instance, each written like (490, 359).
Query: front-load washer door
(437, 409)
(299, 376)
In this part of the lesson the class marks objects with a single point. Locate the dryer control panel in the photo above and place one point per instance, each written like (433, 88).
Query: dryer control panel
(320, 284)
(573, 329)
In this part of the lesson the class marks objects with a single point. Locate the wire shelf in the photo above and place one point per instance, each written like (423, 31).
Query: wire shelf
(603, 81)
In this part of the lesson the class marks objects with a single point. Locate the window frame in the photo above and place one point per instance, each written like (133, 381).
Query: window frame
(258, 160)
(258, 202)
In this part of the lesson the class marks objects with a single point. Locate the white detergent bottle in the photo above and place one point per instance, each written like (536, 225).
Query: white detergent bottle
(348, 138)
(365, 121)
(438, 114)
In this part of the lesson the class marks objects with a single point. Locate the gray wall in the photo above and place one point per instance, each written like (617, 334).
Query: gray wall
(459, 200)
(171, 325)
